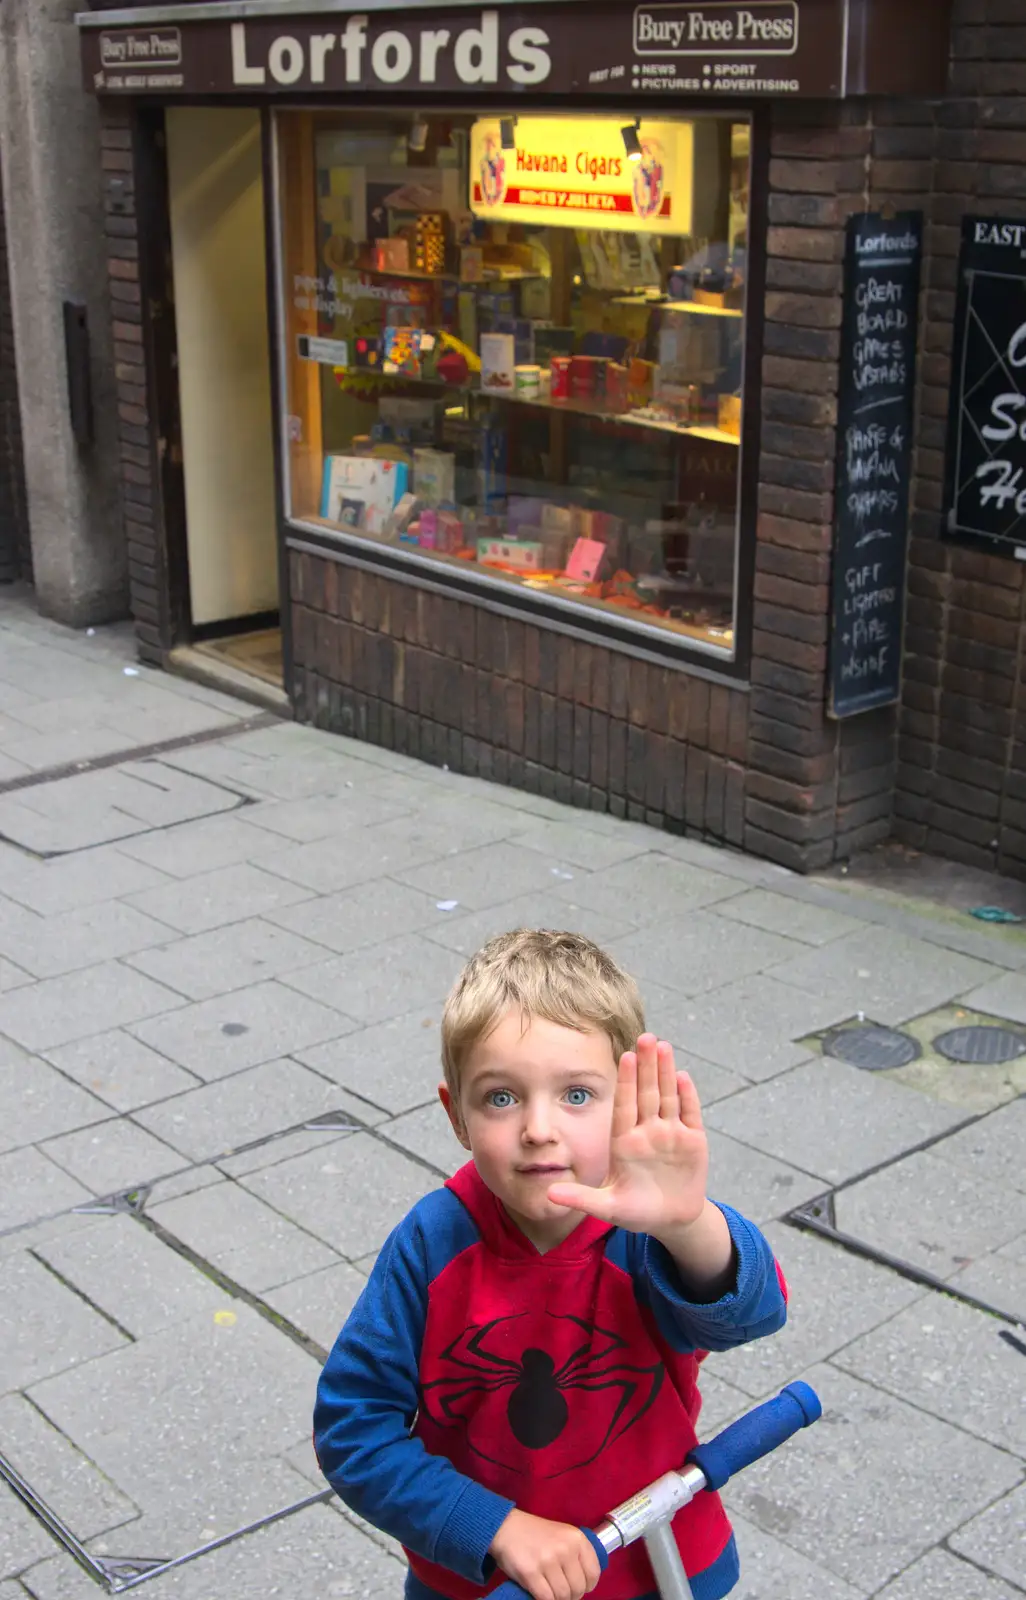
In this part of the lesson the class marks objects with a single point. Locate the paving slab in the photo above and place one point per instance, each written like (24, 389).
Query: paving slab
(236, 1110)
(36, 1102)
(693, 954)
(996, 1539)
(12, 977)
(243, 1028)
(427, 1133)
(181, 1417)
(228, 958)
(834, 1296)
(993, 1149)
(394, 1064)
(315, 1552)
(250, 1242)
(319, 1304)
(887, 975)
(998, 1280)
(466, 932)
(113, 1155)
(47, 1328)
(355, 1207)
(23, 1539)
(323, 816)
(125, 1270)
(361, 855)
(355, 919)
(942, 1576)
(121, 1070)
(393, 978)
(57, 1011)
(213, 899)
(73, 882)
(831, 1119)
(771, 1570)
(823, 1499)
(33, 1187)
(109, 804)
(569, 844)
(196, 848)
(927, 1211)
(60, 1474)
(187, 1181)
(947, 1359)
(648, 888)
(750, 1025)
(722, 1402)
(781, 913)
(756, 1185)
(49, 946)
(489, 875)
(1001, 997)
(282, 1147)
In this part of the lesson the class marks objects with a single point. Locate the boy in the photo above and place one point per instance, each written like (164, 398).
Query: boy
(525, 1355)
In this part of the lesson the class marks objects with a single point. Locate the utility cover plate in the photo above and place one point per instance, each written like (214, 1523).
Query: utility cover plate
(871, 1047)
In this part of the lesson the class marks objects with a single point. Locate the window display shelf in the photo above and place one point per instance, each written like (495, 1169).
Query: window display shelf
(487, 281)
(542, 402)
(692, 307)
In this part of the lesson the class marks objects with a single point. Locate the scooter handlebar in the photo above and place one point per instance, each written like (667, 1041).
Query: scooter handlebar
(512, 1591)
(744, 1441)
(756, 1434)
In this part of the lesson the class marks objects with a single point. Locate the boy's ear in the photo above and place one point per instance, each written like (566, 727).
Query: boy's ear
(452, 1111)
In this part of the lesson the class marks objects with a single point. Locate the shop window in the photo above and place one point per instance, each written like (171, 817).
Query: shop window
(514, 346)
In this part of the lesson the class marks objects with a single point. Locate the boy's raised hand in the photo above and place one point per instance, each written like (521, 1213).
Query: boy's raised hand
(659, 1156)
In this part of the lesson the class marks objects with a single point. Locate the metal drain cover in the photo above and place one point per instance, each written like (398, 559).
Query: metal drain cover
(981, 1045)
(873, 1048)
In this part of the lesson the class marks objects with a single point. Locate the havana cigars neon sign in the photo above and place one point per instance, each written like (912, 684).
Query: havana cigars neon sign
(412, 55)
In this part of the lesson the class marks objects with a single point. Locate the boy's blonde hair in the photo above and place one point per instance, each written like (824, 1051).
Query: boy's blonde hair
(562, 977)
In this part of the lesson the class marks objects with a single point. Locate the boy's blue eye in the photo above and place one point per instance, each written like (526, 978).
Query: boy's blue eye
(501, 1099)
(578, 1096)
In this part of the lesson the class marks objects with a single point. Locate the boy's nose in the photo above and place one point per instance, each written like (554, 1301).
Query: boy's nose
(537, 1126)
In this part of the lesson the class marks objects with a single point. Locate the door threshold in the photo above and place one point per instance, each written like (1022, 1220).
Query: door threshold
(215, 672)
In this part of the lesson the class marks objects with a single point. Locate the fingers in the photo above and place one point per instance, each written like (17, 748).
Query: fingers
(625, 1101)
(590, 1563)
(648, 1077)
(690, 1105)
(669, 1096)
(579, 1197)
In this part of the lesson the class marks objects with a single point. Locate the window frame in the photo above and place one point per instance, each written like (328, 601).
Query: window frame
(601, 627)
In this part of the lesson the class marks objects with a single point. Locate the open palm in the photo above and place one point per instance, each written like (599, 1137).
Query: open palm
(659, 1155)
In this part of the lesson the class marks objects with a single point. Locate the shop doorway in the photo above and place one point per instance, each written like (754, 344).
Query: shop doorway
(218, 248)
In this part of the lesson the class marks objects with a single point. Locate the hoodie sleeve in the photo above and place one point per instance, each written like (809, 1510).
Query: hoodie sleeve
(367, 1400)
(755, 1305)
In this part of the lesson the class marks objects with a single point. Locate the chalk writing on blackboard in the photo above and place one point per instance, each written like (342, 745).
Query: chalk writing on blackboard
(878, 353)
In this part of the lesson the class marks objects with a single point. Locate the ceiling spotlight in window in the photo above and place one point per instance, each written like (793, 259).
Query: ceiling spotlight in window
(507, 134)
(631, 142)
(418, 135)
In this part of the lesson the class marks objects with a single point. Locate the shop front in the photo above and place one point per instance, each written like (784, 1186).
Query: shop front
(481, 372)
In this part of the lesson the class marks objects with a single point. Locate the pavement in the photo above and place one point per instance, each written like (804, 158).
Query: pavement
(224, 943)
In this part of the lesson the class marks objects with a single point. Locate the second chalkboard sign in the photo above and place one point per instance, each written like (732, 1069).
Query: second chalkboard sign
(874, 427)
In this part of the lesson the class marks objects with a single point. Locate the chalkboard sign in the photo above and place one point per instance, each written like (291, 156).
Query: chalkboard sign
(874, 449)
(985, 499)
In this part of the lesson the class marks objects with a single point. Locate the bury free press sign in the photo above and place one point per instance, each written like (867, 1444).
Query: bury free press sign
(695, 47)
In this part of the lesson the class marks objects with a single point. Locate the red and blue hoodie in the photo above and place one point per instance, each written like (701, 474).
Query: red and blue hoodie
(476, 1374)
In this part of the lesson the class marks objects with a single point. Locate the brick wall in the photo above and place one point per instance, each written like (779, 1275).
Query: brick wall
(961, 780)
(136, 442)
(15, 549)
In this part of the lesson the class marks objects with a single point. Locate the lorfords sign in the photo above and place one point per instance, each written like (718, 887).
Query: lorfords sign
(821, 48)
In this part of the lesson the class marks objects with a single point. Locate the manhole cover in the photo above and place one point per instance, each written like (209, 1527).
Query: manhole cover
(981, 1046)
(872, 1048)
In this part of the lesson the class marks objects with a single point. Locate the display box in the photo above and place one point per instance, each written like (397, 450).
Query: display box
(361, 492)
(498, 364)
(523, 556)
(434, 477)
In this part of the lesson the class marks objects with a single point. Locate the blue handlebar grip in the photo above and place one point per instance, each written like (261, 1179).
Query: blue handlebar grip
(756, 1434)
(512, 1591)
